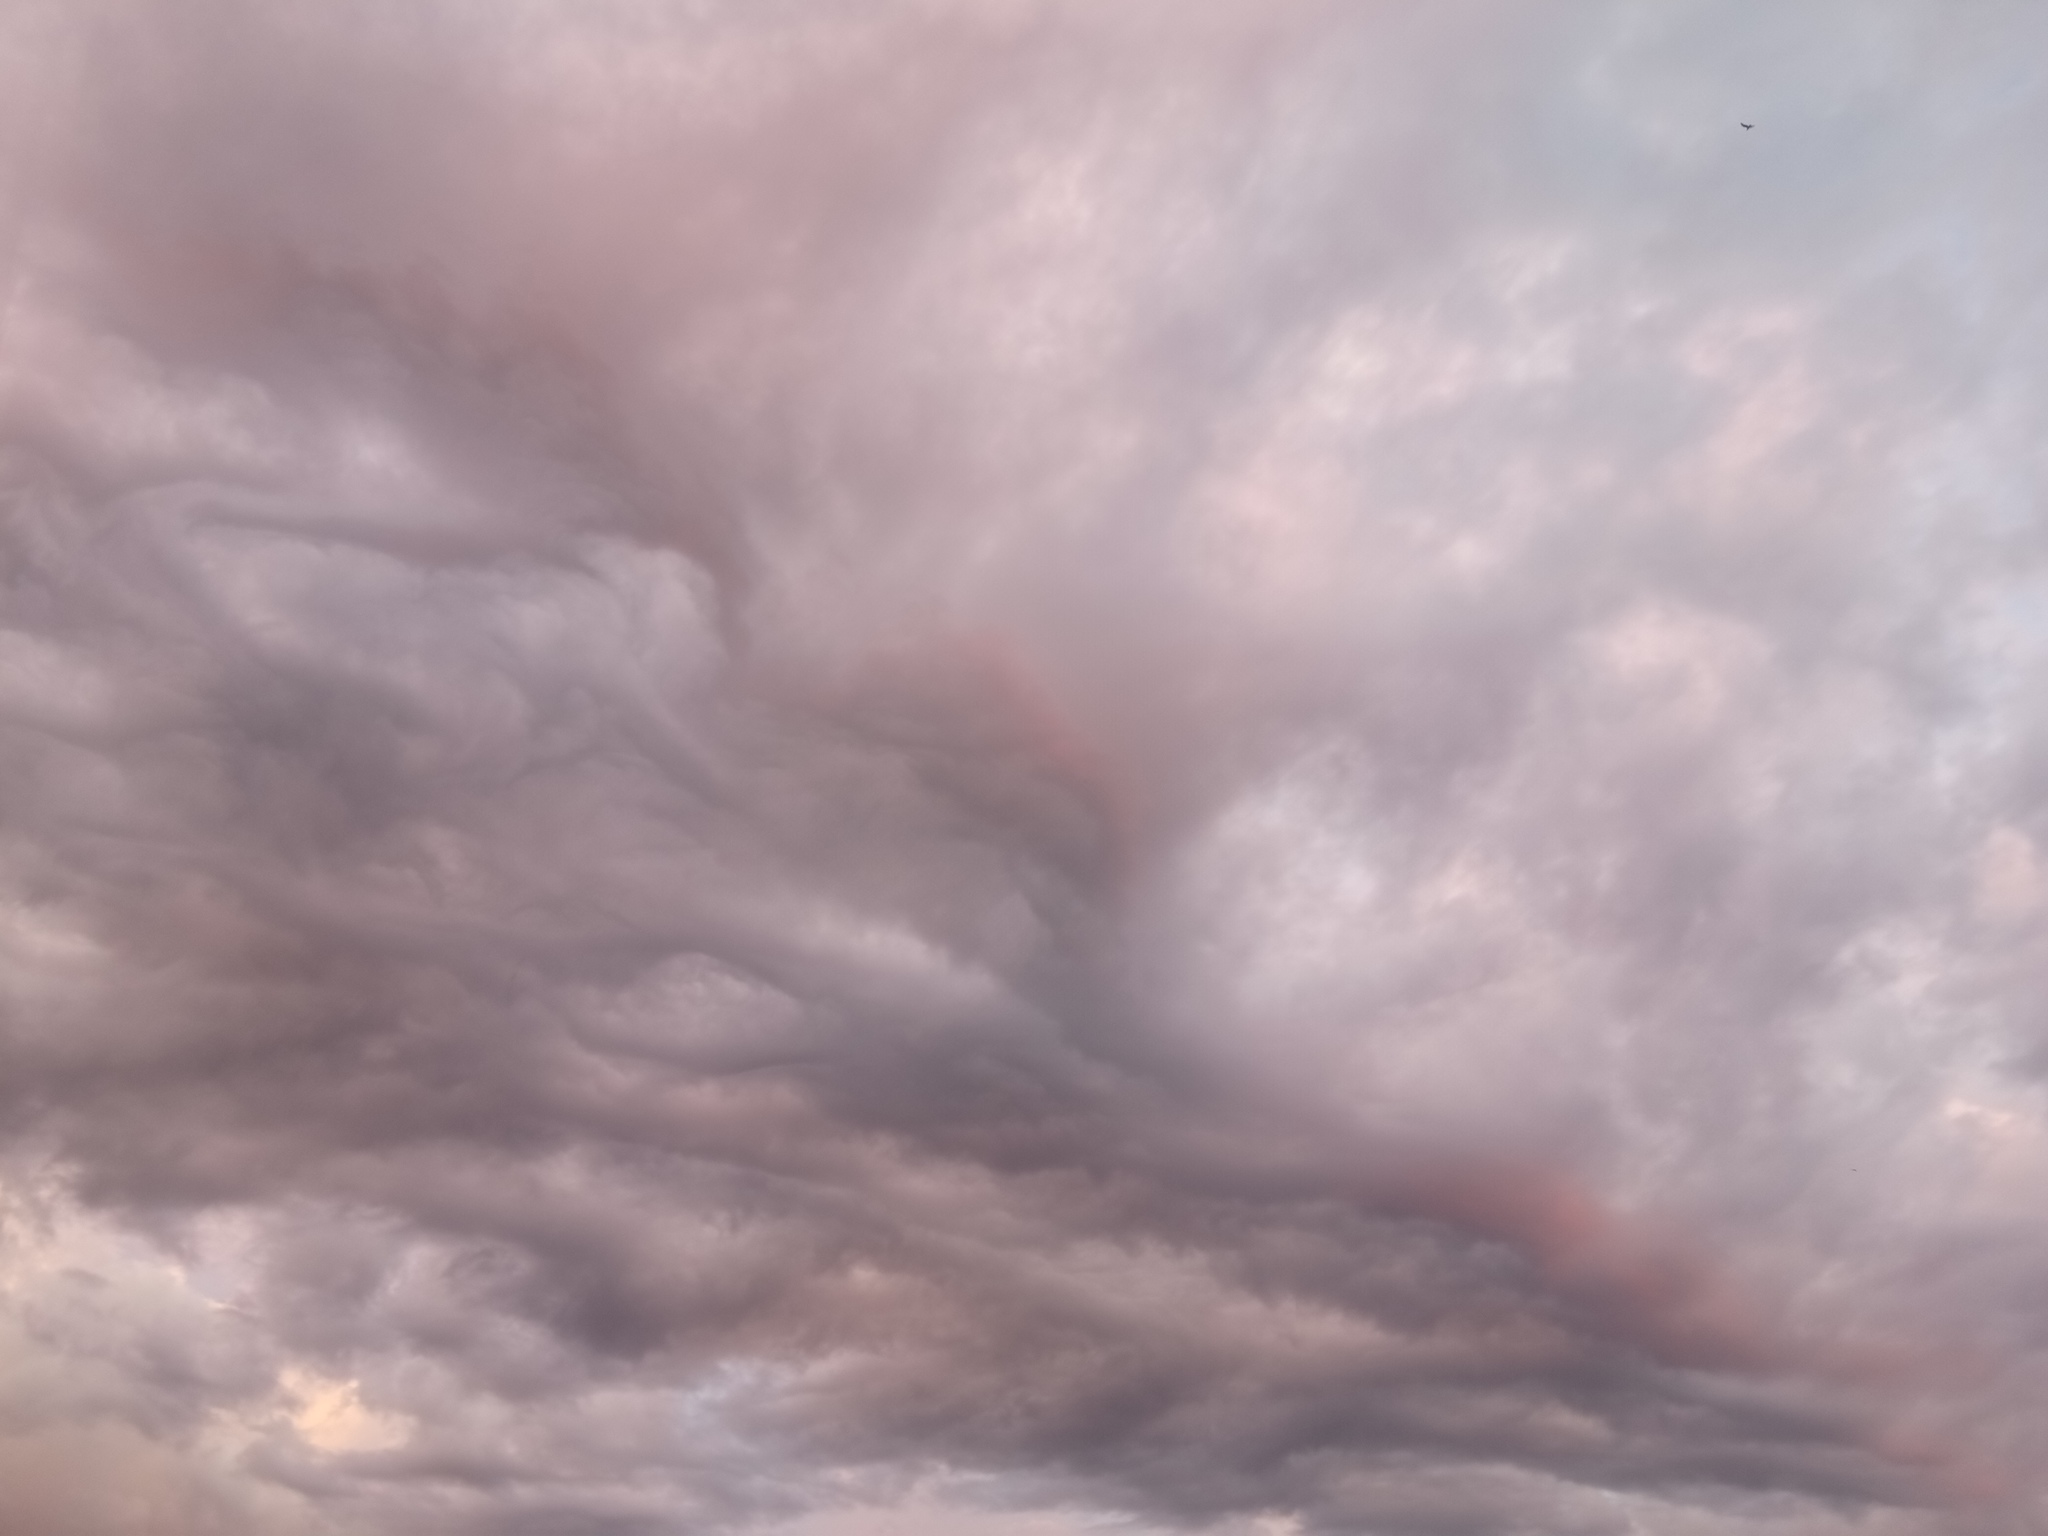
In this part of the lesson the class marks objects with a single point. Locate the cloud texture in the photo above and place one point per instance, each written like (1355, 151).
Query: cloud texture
(1018, 767)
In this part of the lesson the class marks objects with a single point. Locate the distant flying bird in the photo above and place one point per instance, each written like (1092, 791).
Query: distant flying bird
(1749, 125)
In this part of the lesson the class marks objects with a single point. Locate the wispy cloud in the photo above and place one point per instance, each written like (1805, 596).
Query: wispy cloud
(1021, 768)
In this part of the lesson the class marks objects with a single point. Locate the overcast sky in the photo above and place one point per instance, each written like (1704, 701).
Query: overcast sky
(1023, 768)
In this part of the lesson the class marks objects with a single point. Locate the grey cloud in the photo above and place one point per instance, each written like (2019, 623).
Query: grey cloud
(1264, 768)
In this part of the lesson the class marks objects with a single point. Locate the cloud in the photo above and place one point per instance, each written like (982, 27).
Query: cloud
(1249, 769)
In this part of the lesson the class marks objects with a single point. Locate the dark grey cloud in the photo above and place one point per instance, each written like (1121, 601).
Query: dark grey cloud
(1020, 767)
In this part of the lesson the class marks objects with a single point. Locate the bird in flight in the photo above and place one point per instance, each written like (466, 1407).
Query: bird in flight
(1749, 125)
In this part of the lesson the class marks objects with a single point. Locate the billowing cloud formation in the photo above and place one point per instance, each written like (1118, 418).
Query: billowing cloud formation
(1014, 766)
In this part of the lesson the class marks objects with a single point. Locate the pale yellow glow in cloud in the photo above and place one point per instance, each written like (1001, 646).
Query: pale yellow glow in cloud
(330, 1415)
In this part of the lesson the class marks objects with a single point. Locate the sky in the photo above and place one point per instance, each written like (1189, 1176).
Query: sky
(1023, 768)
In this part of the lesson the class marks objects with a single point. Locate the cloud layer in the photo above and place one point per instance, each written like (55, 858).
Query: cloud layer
(1020, 767)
